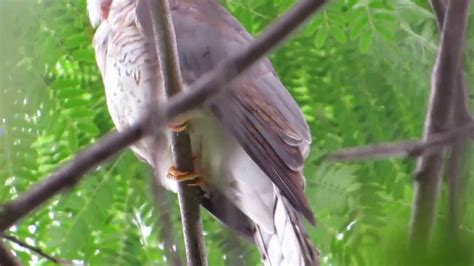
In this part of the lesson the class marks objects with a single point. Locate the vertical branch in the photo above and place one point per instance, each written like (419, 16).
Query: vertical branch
(457, 158)
(439, 9)
(165, 42)
(455, 165)
(188, 201)
(444, 80)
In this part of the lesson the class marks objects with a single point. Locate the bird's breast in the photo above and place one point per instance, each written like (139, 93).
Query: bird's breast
(132, 76)
(131, 79)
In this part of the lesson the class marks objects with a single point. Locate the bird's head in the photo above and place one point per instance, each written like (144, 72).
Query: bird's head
(98, 11)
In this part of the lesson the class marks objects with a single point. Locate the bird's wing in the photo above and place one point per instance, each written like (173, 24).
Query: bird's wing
(257, 109)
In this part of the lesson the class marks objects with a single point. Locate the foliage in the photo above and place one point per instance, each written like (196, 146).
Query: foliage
(360, 71)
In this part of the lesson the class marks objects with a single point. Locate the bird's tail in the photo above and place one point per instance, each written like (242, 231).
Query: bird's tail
(289, 244)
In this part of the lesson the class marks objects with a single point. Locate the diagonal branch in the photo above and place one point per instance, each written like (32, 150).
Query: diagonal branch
(167, 51)
(444, 80)
(406, 148)
(6, 257)
(34, 249)
(71, 173)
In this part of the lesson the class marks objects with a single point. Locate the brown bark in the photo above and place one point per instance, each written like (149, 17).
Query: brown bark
(444, 80)
(458, 157)
(458, 160)
(166, 47)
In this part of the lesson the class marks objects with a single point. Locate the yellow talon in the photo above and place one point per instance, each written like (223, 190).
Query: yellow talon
(197, 182)
(181, 176)
(178, 127)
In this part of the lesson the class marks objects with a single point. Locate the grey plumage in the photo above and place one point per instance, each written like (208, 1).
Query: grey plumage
(251, 140)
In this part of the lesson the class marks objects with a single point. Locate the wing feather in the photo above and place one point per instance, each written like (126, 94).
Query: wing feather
(257, 109)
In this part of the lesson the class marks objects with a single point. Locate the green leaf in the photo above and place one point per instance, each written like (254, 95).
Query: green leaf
(365, 42)
(85, 55)
(88, 128)
(321, 37)
(386, 31)
(338, 33)
(358, 26)
(60, 84)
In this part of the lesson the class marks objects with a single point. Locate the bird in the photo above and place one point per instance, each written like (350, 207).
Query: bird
(249, 143)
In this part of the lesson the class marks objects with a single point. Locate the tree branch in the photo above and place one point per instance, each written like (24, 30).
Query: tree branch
(406, 148)
(444, 80)
(181, 151)
(457, 158)
(200, 91)
(36, 250)
(68, 175)
(439, 8)
(455, 166)
(6, 257)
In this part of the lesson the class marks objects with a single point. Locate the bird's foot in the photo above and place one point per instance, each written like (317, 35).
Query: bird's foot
(197, 182)
(178, 126)
(194, 179)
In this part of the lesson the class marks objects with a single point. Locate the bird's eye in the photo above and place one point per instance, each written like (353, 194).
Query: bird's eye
(105, 8)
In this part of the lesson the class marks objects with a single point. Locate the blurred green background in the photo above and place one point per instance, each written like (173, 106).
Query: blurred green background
(360, 70)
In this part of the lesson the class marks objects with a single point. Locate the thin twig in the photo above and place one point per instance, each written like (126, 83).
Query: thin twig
(34, 249)
(167, 51)
(404, 148)
(444, 79)
(6, 257)
(199, 92)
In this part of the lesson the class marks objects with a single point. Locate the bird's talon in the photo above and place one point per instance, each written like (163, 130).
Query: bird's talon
(197, 182)
(181, 176)
(179, 126)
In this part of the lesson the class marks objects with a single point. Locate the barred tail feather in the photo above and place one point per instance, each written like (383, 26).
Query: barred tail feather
(289, 244)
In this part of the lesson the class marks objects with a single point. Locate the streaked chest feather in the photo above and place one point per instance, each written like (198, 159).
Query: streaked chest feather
(131, 74)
